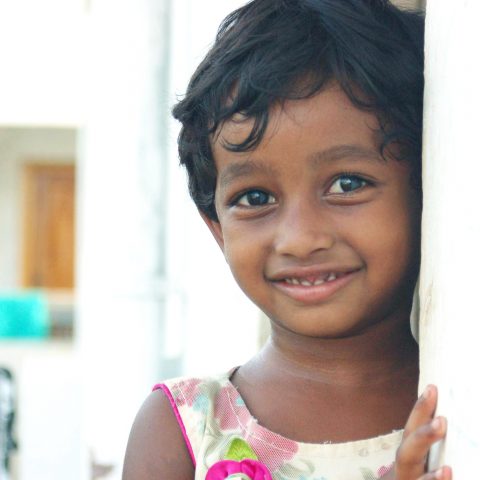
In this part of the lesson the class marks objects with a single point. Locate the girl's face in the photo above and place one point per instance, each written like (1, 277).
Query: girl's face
(319, 231)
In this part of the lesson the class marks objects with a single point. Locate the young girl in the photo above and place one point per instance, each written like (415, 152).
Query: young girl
(302, 140)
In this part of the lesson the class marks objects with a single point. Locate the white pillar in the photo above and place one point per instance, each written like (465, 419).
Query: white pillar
(449, 290)
(122, 184)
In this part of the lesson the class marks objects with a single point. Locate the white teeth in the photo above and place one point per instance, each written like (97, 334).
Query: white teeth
(306, 283)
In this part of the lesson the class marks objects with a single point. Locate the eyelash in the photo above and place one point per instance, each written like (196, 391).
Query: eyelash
(350, 175)
(236, 200)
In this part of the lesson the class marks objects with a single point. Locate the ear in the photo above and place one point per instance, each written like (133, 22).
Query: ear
(215, 228)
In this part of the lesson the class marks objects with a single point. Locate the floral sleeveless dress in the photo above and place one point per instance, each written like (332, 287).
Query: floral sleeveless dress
(226, 442)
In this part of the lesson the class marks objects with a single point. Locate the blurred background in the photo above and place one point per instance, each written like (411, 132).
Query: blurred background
(109, 281)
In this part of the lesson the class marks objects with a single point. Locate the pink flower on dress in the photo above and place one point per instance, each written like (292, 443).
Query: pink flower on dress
(250, 470)
(229, 400)
(384, 470)
(186, 391)
(272, 449)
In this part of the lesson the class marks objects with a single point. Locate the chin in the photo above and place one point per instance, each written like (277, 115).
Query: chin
(327, 329)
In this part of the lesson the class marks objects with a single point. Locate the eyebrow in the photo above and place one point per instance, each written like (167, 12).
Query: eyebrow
(243, 169)
(338, 152)
(343, 151)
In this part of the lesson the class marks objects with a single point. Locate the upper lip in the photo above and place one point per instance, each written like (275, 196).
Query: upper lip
(309, 272)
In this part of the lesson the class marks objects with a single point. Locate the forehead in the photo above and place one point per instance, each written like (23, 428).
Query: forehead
(325, 122)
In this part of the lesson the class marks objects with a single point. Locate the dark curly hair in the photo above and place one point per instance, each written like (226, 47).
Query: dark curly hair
(269, 51)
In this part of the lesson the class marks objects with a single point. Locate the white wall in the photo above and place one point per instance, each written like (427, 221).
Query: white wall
(19, 146)
(121, 219)
(43, 62)
(450, 320)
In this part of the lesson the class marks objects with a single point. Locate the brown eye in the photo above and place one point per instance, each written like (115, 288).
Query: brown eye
(347, 184)
(255, 198)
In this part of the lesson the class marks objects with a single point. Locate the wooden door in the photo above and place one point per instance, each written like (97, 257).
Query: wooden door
(49, 231)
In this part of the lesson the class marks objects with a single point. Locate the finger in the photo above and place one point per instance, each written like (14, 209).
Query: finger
(412, 453)
(444, 473)
(423, 410)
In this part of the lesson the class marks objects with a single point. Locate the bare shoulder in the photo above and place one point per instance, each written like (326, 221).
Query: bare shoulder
(156, 448)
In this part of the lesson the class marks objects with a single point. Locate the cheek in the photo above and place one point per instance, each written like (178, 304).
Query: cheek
(400, 243)
(391, 241)
(246, 253)
(239, 249)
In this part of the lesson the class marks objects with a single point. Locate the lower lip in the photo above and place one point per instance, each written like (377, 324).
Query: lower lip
(315, 293)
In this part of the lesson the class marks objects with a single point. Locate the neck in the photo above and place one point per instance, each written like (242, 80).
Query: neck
(380, 354)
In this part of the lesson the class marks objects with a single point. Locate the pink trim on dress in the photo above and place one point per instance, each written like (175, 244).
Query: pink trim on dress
(166, 391)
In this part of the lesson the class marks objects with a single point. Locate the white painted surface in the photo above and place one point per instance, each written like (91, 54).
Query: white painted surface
(43, 55)
(121, 190)
(51, 428)
(450, 322)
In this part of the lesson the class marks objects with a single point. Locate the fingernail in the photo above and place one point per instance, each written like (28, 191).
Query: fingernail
(437, 424)
(439, 474)
(426, 393)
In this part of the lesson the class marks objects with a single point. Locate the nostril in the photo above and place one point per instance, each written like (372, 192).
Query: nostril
(302, 244)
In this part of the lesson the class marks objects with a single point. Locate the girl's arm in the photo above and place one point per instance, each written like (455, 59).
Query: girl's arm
(156, 448)
(421, 432)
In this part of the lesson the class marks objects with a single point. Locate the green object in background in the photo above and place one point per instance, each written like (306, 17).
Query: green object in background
(24, 315)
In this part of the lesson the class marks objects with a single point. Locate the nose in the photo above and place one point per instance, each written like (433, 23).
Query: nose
(302, 230)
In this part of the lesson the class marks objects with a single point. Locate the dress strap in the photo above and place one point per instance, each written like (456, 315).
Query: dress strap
(168, 393)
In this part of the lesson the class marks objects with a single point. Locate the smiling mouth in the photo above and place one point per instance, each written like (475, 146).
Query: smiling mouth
(314, 288)
(311, 281)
